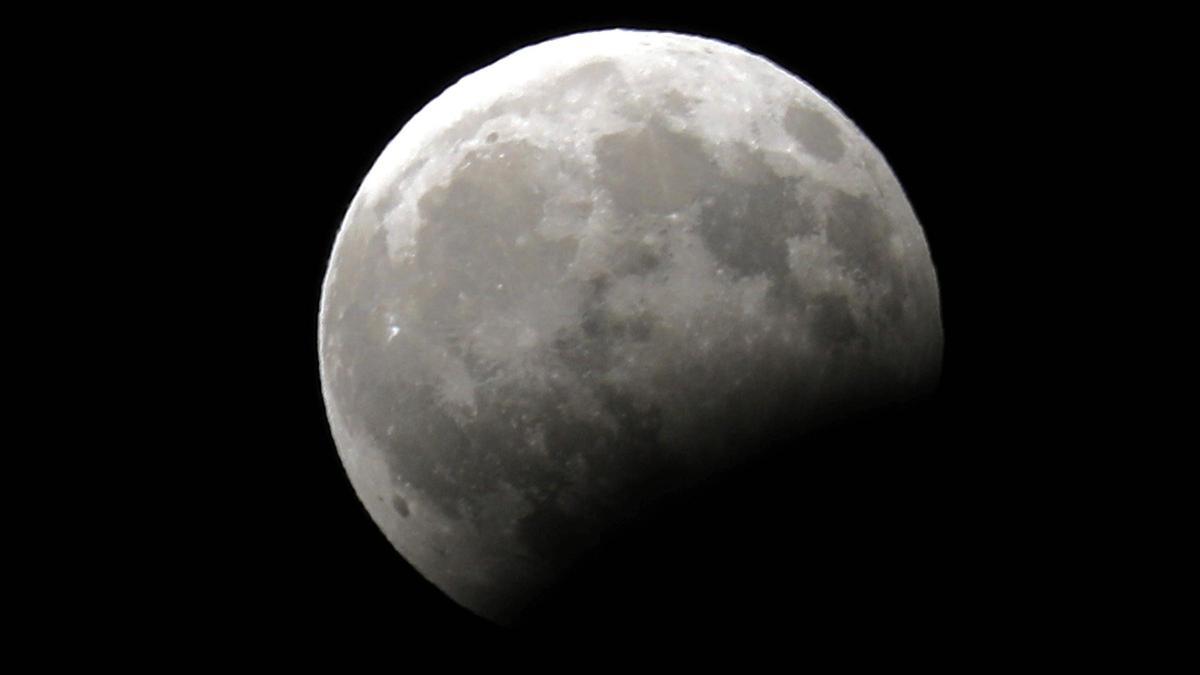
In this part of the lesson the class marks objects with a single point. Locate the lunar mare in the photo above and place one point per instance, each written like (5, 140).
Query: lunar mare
(596, 271)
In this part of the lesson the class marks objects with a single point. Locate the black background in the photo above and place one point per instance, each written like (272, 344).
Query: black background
(919, 529)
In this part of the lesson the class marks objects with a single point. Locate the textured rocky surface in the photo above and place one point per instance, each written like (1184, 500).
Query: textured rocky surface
(601, 269)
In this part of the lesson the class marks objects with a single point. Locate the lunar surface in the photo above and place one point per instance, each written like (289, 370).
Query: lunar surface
(594, 273)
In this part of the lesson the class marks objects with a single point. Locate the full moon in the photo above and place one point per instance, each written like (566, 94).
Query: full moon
(599, 271)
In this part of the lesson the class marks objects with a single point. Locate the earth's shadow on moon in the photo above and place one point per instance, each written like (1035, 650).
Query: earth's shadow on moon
(843, 529)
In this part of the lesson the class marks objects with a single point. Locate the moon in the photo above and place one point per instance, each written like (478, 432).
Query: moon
(599, 271)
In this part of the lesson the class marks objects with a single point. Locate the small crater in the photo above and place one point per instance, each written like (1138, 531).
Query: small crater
(493, 137)
(400, 505)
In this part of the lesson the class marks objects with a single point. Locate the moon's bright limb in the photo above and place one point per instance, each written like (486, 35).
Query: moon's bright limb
(599, 268)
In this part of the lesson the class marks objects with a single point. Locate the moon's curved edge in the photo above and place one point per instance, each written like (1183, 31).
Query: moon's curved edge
(481, 85)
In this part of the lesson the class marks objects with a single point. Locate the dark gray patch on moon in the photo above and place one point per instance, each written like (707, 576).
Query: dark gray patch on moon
(753, 212)
(832, 321)
(400, 505)
(478, 246)
(592, 79)
(678, 103)
(636, 258)
(815, 132)
(434, 456)
(860, 231)
(602, 325)
(653, 169)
